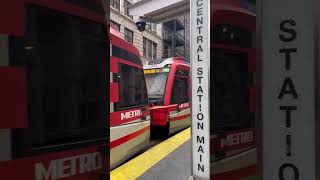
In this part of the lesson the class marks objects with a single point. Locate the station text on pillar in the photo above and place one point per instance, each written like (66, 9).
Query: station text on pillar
(288, 90)
(200, 139)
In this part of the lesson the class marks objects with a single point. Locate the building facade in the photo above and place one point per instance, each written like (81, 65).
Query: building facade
(149, 42)
(176, 37)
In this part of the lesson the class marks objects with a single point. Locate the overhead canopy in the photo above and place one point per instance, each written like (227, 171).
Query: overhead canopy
(158, 11)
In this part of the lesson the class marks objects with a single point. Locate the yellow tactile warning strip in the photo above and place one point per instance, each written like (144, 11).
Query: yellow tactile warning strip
(139, 165)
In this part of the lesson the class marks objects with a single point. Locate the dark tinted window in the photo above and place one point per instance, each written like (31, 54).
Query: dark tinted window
(229, 92)
(126, 5)
(179, 92)
(65, 57)
(94, 5)
(231, 35)
(115, 4)
(181, 72)
(132, 87)
(125, 55)
(128, 35)
(115, 25)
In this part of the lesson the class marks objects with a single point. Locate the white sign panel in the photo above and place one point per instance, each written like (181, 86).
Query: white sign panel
(288, 105)
(200, 62)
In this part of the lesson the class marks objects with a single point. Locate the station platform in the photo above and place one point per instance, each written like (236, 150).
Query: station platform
(171, 159)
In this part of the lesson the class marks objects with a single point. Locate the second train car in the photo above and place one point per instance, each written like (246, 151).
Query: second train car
(168, 84)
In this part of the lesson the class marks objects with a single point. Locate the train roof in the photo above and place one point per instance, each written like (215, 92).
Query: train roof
(117, 40)
(160, 63)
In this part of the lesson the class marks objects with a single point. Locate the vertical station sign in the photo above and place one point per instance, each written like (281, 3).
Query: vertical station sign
(200, 63)
(288, 90)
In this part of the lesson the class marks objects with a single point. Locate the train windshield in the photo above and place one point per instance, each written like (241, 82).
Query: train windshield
(156, 80)
(156, 84)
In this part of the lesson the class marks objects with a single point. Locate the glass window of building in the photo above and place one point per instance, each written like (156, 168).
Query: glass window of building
(115, 4)
(149, 48)
(126, 8)
(151, 27)
(128, 35)
(144, 47)
(115, 25)
(154, 50)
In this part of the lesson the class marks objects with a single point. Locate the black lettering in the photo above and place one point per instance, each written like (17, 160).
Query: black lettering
(200, 158)
(291, 166)
(199, 71)
(200, 140)
(199, 3)
(201, 167)
(200, 96)
(199, 29)
(200, 149)
(200, 125)
(288, 140)
(199, 12)
(199, 20)
(292, 33)
(199, 59)
(199, 49)
(288, 110)
(288, 83)
(199, 38)
(200, 90)
(288, 57)
(200, 116)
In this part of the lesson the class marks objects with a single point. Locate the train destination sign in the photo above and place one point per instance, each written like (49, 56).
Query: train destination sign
(200, 87)
(288, 90)
(159, 70)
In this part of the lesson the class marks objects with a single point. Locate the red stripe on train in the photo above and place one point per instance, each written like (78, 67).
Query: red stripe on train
(180, 117)
(128, 137)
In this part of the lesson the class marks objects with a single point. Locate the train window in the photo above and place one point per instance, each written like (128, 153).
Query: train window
(94, 5)
(181, 72)
(156, 84)
(230, 95)
(179, 91)
(132, 87)
(126, 55)
(231, 35)
(65, 58)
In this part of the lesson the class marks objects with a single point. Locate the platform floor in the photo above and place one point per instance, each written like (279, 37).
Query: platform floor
(171, 160)
(176, 165)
